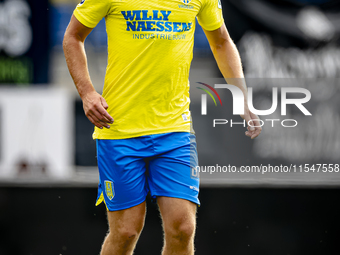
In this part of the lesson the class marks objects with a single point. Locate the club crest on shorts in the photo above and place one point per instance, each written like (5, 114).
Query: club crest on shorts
(186, 1)
(109, 189)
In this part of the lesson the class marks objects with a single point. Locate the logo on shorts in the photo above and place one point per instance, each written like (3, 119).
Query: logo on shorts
(109, 189)
(186, 1)
(194, 188)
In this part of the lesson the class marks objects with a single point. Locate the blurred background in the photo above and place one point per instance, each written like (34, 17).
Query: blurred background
(48, 173)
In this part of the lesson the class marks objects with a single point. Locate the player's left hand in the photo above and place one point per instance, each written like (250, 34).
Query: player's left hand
(253, 122)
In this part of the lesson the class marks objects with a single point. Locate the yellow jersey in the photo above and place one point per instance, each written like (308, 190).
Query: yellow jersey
(150, 48)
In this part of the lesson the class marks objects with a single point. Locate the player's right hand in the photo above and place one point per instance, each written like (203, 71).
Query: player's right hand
(95, 108)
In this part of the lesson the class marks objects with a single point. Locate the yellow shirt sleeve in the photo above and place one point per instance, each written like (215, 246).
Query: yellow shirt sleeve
(90, 12)
(210, 16)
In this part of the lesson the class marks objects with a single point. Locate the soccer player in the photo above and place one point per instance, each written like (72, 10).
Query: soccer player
(142, 120)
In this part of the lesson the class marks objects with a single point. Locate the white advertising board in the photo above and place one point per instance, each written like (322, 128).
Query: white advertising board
(36, 128)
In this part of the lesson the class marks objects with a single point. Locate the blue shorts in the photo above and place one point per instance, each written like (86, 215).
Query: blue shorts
(164, 164)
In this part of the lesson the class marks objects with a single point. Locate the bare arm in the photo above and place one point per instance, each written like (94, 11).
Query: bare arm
(94, 104)
(229, 63)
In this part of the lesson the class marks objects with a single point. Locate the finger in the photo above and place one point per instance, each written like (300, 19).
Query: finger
(105, 115)
(248, 134)
(100, 118)
(94, 122)
(100, 122)
(104, 104)
(251, 125)
(256, 122)
(256, 133)
(249, 121)
(259, 130)
(107, 120)
(97, 122)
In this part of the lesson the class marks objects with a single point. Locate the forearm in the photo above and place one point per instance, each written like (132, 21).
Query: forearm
(95, 106)
(77, 64)
(229, 63)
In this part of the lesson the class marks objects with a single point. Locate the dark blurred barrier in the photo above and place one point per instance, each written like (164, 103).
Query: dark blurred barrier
(24, 41)
(230, 221)
(85, 146)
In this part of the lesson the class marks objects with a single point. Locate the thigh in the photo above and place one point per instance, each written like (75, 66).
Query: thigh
(122, 182)
(173, 173)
